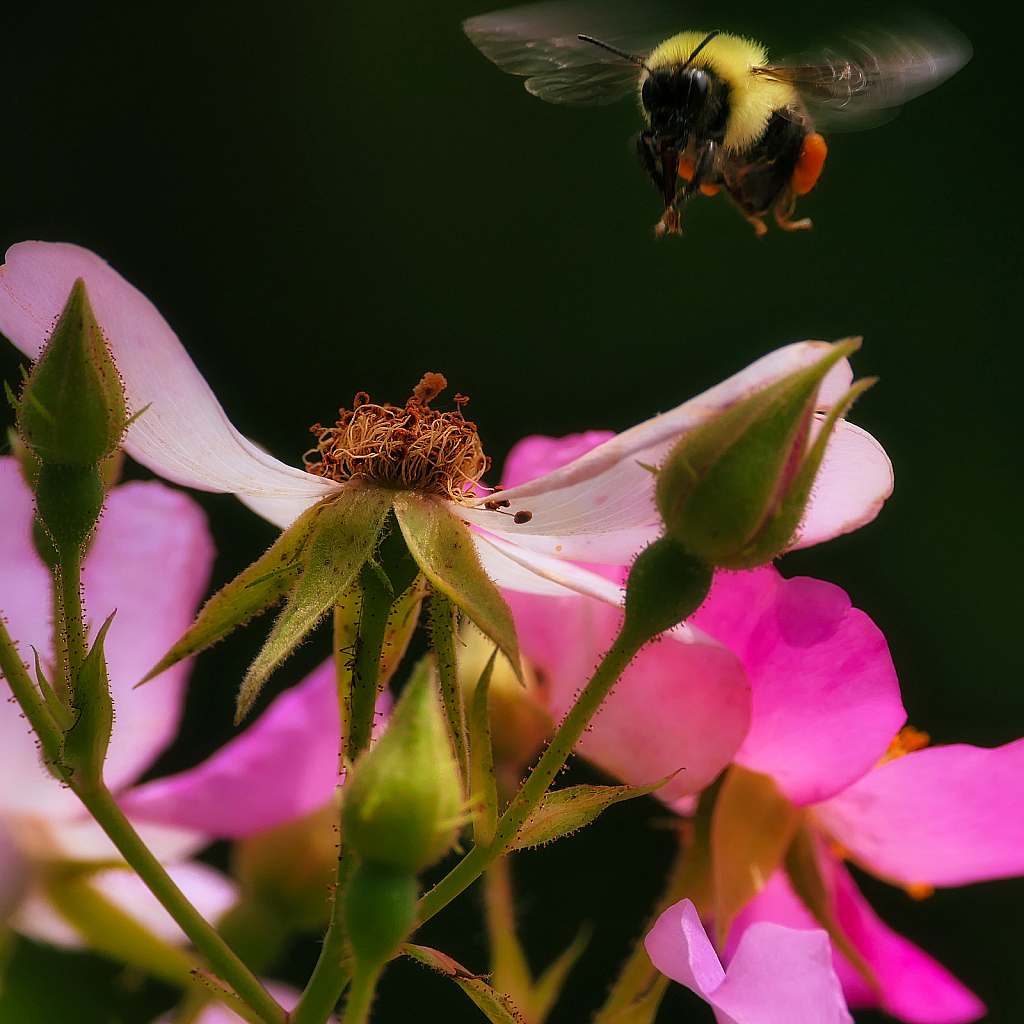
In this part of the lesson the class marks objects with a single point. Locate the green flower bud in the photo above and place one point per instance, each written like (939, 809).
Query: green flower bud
(402, 798)
(666, 585)
(380, 911)
(72, 409)
(733, 491)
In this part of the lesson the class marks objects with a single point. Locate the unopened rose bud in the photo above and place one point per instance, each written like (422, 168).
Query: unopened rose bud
(72, 409)
(403, 797)
(733, 491)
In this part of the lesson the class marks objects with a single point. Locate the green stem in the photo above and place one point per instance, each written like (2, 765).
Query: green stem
(622, 652)
(442, 630)
(330, 976)
(68, 581)
(102, 806)
(360, 995)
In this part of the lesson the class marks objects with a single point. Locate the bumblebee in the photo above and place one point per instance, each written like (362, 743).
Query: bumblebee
(720, 116)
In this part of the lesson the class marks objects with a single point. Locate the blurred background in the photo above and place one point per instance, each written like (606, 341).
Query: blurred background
(327, 198)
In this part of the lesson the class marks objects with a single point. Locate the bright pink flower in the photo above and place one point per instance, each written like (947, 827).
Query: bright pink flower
(941, 816)
(825, 704)
(777, 975)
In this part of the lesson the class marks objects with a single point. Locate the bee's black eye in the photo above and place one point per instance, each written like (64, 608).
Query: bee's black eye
(698, 84)
(652, 94)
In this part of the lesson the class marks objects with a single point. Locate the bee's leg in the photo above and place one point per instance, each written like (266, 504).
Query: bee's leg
(698, 182)
(645, 154)
(783, 210)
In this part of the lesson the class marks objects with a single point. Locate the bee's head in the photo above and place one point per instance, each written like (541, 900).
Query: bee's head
(674, 97)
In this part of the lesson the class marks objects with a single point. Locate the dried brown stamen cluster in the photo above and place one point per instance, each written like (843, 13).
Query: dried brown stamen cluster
(411, 448)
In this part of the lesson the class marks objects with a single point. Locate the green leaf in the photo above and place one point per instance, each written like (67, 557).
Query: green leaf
(443, 546)
(483, 786)
(111, 931)
(495, 1006)
(566, 810)
(86, 742)
(642, 1010)
(264, 583)
(549, 985)
(751, 828)
(344, 536)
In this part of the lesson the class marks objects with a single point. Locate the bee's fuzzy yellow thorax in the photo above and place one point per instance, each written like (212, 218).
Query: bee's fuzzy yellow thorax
(753, 98)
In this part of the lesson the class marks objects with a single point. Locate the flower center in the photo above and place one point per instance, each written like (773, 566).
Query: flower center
(410, 448)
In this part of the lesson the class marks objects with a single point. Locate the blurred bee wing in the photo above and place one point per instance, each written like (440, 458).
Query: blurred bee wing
(540, 41)
(875, 70)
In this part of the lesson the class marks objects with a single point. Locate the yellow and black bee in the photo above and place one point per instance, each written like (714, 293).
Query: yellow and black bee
(719, 115)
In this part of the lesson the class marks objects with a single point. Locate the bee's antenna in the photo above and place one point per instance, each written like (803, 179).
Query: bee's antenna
(707, 39)
(620, 53)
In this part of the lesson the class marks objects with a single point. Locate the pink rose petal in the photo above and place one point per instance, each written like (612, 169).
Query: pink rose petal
(185, 435)
(600, 506)
(913, 986)
(777, 976)
(284, 766)
(942, 816)
(150, 561)
(680, 706)
(825, 697)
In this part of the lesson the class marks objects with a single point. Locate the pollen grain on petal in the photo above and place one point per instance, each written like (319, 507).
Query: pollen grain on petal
(412, 447)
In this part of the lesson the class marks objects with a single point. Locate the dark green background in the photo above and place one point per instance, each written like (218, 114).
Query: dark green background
(325, 198)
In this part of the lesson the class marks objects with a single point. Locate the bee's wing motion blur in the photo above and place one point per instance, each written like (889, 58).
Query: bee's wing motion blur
(540, 41)
(865, 78)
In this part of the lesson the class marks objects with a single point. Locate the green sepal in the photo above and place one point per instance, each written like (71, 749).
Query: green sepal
(443, 547)
(801, 864)
(442, 634)
(250, 593)
(111, 931)
(734, 483)
(666, 585)
(86, 742)
(403, 796)
(781, 531)
(344, 535)
(483, 785)
(72, 409)
(63, 717)
(496, 1006)
(752, 826)
(567, 810)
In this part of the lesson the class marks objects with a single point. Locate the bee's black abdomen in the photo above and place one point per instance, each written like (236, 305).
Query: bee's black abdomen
(758, 177)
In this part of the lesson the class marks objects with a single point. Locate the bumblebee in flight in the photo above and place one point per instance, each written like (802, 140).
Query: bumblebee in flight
(720, 116)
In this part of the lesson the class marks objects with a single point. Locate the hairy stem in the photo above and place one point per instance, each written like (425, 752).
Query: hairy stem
(622, 652)
(102, 806)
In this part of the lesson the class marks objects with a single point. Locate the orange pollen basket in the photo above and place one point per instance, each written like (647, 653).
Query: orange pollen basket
(408, 448)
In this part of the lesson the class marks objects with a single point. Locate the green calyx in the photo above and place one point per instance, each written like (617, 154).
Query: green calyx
(733, 491)
(72, 408)
(403, 797)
